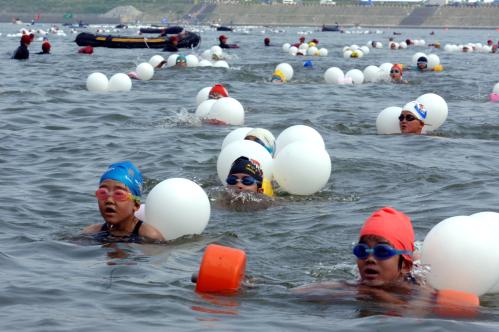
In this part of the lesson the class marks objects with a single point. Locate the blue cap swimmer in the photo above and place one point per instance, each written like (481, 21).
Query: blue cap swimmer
(126, 173)
(308, 64)
(181, 61)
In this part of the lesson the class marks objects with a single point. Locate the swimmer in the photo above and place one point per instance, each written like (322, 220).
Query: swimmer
(118, 197)
(181, 61)
(263, 137)
(422, 64)
(218, 91)
(86, 50)
(302, 40)
(223, 42)
(412, 117)
(245, 175)
(396, 73)
(278, 77)
(172, 45)
(266, 41)
(22, 52)
(393, 46)
(45, 46)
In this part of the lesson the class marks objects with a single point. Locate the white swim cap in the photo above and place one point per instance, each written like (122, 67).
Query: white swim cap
(264, 137)
(417, 109)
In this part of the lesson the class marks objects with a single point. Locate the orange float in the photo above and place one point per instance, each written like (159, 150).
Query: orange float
(453, 303)
(221, 270)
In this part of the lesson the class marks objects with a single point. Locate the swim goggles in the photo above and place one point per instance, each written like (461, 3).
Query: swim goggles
(380, 251)
(408, 117)
(394, 71)
(118, 195)
(246, 180)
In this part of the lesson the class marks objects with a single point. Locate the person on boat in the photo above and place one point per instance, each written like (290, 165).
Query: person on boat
(86, 50)
(266, 41)
(245, 175)
(172, 45)
(45, 46)
(223, 42)
(263, 137)
(118, 197)
(412, 118)
(218, 91)
(396, 73)
(22, 52)
(181, 61)
(278, 77)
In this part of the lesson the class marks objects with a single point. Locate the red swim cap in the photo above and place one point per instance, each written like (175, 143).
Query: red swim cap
(392, 225)
(223, 37)
(397, 66)
(219, 88)
(26, 39)
(173, 38)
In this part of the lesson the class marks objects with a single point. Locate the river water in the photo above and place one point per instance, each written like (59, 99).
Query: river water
(57, 138)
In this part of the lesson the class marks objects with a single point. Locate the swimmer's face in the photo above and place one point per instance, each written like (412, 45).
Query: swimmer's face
(182, 63)
(409, 124)
(113, 211)
(240, 186)
(375, 272)
(215, 95)
(395, 74)
(422, 65)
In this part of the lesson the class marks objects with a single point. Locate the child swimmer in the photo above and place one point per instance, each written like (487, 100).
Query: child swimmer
(118, 196)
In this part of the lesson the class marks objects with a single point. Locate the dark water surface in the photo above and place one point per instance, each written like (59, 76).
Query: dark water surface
(57, 138)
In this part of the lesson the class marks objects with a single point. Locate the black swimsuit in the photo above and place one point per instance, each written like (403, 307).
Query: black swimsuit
(105, 233)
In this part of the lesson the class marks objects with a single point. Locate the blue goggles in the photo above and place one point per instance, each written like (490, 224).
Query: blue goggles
(246, 180)
(380, 251)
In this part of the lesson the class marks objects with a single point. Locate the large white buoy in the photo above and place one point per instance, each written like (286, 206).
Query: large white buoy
(298, 133)
(371, 73)
(155, 60)
(192, 60)
(285, 47)
(120, 82)
(433, 60)
(204, 108)
(203, 95)
(236, 135)
(334, 75)
(221, 64)
(172, 60)
(97, 82)
(323, 52)
(227, 110)
(286, 69)
(387, 121)
(178, 207)
(302, 168)
(205, 63)
(496, 88)
(145, 71)
(356, 75)
(437, 111)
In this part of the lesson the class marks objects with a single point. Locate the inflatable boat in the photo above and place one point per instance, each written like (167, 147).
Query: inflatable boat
(188, 40)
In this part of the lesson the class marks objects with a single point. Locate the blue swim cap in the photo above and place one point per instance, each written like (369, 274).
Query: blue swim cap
(126, 173)
(308, 64)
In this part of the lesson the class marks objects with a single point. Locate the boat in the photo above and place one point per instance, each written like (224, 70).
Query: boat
(331, 28)
(223, 28)
(189, 40)
(162, 30)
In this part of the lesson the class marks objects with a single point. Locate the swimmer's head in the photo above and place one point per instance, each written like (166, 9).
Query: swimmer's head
(266, 41)
(396, 72)
(126, 173)
(223, 38)
(218, 91)
(181, 61)
(302, 39)
(26, 39)
(412, 118)
(174, 40)
(490, 42)
(422, 62)
(278, 77)
(245, 175)
(263, 137)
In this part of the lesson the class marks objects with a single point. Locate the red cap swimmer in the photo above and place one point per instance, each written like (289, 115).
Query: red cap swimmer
(393, 226)
(222, 37)
(26, 39)
(218, 91)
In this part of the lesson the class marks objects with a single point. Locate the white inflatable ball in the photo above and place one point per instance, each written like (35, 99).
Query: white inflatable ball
(416, 56)
(346, 48)
(496, 88)
(236, 135)
(403, 45)
(356, 75)
(286, 69)
(354, 47)
(203, 95)
(205, 63)
(178, 207)
(172, 60)
(323, 52)
(458, 252)
(285, 47)
(360, 54)
(371, 73)
(204, 108)
(244, 148)
(227, 110)
(383, 76)
(369, 43)
(145, 71)
(312, 50)
(141, 212)
(334, 75)
(302, 168)
(120, 82)
(97, 82)
(221, 64)
(217, 50)
(207, 55)
(192, 60)
(303, 46)
(387, 122)
(365, 50)
(156, 60)
(347, 54)
(448, 48)
(422, 42)
(293, 50)
(298, 133)
(378, 45)
(386, 67)
(437, 111)
(433, 60)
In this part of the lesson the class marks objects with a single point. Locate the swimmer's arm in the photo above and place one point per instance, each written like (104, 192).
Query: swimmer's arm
(151, 233)
(92, 229)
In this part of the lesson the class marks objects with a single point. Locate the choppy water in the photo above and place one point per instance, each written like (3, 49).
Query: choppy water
(57, 138)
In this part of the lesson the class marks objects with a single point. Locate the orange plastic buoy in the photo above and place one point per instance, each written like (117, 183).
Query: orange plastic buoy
(453, 303)
(221, 270)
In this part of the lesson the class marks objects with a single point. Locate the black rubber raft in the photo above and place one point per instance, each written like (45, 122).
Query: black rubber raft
(189, 40)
